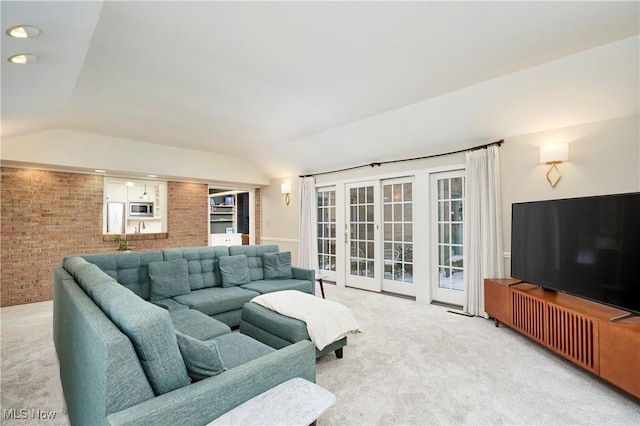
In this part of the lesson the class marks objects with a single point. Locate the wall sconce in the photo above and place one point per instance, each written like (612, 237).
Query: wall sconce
(285, 189)
(553, 154)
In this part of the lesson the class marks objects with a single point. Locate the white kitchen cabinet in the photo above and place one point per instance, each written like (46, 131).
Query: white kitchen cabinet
(225, 239)
(116, 193)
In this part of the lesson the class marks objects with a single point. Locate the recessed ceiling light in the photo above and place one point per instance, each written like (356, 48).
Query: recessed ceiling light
(152, 175)
(23, 31)
(100, 171)
(23, 58)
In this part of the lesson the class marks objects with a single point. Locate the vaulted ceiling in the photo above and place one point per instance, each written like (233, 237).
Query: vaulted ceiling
(285, 84)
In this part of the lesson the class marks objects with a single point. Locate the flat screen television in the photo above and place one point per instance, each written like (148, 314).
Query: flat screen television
(588, 247)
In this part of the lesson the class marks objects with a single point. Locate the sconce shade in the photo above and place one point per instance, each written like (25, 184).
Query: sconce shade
(285, 188)
(554, 153)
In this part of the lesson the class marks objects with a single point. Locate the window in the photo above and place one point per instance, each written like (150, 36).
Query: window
(125, 207)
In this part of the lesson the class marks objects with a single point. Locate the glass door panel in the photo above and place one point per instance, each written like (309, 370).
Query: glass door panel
(397, 239)
(449, 204)
(326, 202)
(361, 236)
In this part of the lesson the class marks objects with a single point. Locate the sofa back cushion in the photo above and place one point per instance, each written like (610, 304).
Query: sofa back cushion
(169, 278)
(202, 358)
(234, 270)
(277, 266)
(254, 257)
(202, 263)
(129, 269)
(148, 326)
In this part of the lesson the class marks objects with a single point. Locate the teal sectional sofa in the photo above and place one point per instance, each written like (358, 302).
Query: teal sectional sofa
(131, 335)
(207, 289)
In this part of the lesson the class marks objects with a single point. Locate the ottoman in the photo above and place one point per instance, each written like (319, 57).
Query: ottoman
(278, 331)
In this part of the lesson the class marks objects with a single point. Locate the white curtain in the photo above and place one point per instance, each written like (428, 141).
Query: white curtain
(308, 240)
(483, 228)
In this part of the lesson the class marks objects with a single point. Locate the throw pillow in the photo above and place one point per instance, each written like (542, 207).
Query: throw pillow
(277, 266)
(234, 270)
(201, 358)
(168, 279)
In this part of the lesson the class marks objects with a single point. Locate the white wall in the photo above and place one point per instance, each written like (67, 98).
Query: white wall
(86, 152)
(280, 223)
(604, 158)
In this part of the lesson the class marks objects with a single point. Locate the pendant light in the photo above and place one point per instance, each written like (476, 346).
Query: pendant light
(145, 196)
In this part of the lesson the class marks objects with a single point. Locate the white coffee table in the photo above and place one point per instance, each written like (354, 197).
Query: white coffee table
(294, 402)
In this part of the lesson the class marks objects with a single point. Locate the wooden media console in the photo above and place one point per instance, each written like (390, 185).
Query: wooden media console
(577, 329)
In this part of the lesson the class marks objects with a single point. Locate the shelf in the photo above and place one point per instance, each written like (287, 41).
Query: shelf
(222, 212)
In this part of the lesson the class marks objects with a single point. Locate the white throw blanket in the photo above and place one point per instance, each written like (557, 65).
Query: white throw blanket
(326, 321)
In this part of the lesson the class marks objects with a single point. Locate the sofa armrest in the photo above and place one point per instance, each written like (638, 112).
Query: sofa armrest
(206, 400)
(304, 274)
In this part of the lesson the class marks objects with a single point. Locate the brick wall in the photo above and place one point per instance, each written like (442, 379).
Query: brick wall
(48, 215)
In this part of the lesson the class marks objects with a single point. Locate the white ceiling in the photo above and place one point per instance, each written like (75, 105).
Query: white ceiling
(282, 83)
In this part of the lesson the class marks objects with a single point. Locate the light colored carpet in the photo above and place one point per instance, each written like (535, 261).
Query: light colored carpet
(419, 364)
(30, 379)
(413, 365)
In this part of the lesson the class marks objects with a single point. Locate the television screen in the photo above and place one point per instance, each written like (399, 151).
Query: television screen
(588, 247)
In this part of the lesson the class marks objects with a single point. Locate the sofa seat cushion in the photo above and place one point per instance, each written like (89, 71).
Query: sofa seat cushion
(236, 349)
(201, 358)
(169, 304)
(215, 300)
(197, 325)
(269, 286)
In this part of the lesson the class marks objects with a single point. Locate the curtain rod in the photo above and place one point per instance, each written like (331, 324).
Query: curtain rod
(380, 163)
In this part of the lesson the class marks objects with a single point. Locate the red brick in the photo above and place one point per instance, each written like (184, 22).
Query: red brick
(49, 215)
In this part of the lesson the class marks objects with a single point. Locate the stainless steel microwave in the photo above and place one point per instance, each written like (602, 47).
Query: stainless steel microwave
(141, 209)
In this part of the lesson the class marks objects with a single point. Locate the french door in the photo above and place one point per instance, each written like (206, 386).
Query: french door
(402, 235)
(448, 210)
(380, 257)
(327, 260)
(397, 254)
(362, 236)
